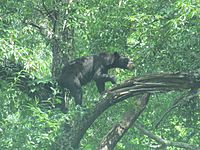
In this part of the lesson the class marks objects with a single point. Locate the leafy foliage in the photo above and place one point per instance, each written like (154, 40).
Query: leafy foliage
(158, 35)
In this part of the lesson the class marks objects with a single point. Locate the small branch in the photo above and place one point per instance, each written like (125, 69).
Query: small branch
(165, 143)
(176, 103)
(41, 29)
(47, 11)
(36, 26)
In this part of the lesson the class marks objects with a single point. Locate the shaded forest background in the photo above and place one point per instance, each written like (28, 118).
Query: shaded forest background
(38, 37)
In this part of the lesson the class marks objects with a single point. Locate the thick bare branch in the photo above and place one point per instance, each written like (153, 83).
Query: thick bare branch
(117, 132)
(148, 84)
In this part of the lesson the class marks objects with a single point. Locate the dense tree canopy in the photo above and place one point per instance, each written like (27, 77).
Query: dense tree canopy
(150, 109)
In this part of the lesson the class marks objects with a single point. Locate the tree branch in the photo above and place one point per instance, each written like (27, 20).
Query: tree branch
(41, 29)
(165, 143)
(176, 103)
(117, 132)
(36, 26)
(147, 84)
(49, 13)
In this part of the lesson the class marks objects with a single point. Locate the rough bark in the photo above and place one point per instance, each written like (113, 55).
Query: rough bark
(119, 129)
(56, 59)
(135, 86)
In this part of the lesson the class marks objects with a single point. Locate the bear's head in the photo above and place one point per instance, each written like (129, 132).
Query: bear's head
(122, 62)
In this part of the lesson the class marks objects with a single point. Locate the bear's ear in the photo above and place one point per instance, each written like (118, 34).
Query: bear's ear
(116, 54)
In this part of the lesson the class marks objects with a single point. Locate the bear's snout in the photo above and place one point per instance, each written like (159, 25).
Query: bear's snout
(130, 65)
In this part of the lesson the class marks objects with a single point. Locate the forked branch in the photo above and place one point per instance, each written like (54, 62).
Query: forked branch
(136, 86)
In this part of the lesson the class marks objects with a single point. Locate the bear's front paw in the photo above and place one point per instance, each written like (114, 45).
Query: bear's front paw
(113, 80)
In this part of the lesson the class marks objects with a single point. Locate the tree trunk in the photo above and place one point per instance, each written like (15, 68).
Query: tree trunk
(57, 58)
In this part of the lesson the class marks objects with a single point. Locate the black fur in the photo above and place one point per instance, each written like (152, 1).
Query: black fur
(82, 70)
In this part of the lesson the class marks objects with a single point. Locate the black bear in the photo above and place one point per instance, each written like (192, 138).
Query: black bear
(82, 70)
